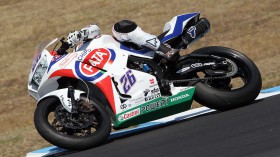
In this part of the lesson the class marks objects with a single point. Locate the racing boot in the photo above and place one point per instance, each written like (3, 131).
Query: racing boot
(168, 53)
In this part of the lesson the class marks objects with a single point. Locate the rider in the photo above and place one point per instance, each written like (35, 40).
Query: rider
(127, 31)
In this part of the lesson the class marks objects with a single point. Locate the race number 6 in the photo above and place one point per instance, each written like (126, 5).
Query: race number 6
(127, 81)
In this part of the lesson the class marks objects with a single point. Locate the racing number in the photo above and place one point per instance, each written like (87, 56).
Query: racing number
(127, 81)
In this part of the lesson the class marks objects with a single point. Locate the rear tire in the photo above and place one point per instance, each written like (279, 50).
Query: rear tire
(221, 99)
(66, 141)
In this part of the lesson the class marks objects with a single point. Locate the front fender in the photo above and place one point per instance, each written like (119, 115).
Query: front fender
(62, 95)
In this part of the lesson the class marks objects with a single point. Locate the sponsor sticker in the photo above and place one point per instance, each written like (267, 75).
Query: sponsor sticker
(83, 54)
(151, 94)
(85, 66)
(68, 101)
(129, 115)
(98, 57)
(68, 59)
(186, 88)
(155, 90)
(192, 31)
(136, 101)
(180, 97)
(123, 106)
(197, 65)
(153, 106)
(152, 81)
(146, 92)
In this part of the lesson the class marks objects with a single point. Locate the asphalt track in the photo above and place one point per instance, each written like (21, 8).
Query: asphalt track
(250, 131)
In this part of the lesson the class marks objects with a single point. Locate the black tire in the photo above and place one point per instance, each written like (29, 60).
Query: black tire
(220, 99)
(70, 142)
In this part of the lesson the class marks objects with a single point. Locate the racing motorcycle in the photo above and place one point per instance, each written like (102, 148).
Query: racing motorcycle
(105, 84)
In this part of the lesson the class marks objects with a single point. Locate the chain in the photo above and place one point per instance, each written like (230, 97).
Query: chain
(197, 79)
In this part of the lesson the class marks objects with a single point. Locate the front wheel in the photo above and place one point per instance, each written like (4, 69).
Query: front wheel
(219, 94)
(86, 129)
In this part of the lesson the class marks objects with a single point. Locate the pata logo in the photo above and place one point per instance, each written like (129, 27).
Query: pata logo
(97, 57)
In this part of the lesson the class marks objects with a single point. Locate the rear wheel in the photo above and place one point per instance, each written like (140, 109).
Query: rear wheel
(236, 91)
(87, 129)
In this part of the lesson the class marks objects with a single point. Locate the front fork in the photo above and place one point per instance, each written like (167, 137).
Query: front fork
(67, 96)
(71, 95)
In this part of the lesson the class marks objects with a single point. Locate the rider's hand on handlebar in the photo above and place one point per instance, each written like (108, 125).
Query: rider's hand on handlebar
(74, 38)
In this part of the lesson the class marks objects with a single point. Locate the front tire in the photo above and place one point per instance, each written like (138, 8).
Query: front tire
(212, 96)
(65, 137)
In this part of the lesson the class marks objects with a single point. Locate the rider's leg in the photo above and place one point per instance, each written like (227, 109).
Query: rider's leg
(126, 30)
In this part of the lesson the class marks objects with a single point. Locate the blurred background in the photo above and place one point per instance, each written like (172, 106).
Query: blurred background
(249, 26)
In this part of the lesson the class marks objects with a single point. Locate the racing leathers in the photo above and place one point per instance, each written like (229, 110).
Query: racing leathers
(124, 31)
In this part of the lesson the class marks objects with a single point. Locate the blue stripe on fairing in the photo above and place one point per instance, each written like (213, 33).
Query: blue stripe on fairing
(54, 60)
(178, 26)
(87, 78)
(141, 52)
(273, 89)
(113, 54)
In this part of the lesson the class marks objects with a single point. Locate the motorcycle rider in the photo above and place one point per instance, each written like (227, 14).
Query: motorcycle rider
(124, 31)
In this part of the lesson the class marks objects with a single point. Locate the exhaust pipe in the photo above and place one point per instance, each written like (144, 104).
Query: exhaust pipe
(195, 32)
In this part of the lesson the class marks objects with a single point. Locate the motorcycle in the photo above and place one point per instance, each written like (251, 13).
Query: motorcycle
(105, 84)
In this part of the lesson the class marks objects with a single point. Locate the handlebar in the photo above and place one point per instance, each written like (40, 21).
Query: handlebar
(64, 46)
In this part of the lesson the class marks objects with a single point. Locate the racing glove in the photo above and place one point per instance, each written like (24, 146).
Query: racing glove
(89, 32)
(74, 38)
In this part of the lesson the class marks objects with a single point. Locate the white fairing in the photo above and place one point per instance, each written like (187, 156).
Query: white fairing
(49, 68)
(118, 70)
(143, 82)
(103, 62)
(169, 26)
(62, 95)
(107, 41)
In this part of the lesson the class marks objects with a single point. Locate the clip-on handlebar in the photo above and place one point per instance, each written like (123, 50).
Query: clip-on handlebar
(64, 46)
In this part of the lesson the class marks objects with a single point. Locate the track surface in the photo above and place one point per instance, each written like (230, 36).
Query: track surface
(251, 131)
